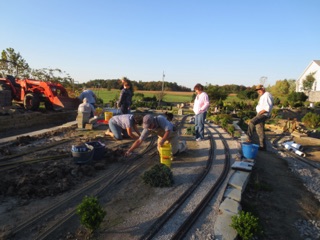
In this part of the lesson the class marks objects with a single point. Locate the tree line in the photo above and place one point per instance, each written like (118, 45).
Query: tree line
(12, 63)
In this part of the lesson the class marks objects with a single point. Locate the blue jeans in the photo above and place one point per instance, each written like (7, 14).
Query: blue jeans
(115, 129)
(199, 124)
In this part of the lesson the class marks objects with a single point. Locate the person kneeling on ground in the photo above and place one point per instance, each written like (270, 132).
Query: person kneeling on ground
(120, 126)
(86, 107)
(85, 113)
(160, 126)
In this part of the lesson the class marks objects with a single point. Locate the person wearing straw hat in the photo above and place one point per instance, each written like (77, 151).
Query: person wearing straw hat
(263, 110)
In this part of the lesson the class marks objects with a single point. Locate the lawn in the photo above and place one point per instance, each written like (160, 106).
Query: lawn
(109, 95)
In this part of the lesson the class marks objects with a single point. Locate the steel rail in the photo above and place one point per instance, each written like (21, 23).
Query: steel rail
(293, 155)
(122, 174)
(192, 218)
(164, 218)
(107, 180)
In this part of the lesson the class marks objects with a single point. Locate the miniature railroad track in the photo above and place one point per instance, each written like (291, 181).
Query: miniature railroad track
(14, 160)
(158, 228)
(97, 187)
(293, 155)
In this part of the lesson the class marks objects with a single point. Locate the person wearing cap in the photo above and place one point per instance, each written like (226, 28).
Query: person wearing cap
(263, 110)
(200, 107)
(160, 126)
(121, 126)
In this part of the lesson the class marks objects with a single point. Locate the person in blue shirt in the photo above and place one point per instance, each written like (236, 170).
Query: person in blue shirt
(121, 126)
(89, 95)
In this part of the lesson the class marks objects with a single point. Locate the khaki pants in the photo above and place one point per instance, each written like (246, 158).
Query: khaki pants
(174, 140)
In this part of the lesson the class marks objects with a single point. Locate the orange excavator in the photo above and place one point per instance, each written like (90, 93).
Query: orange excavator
(30, 93)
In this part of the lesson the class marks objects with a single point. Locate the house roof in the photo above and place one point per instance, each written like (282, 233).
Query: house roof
(317, 62)
(314, 61)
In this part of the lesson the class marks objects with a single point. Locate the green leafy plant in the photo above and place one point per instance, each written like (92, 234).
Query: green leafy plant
(158, 176)
(91, 213)
(311, 120)
(191, 130)
(246, 225)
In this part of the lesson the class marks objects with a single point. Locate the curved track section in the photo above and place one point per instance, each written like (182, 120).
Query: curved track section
(183, 213)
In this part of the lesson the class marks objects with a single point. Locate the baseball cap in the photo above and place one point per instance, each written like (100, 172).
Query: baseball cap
(147, 121)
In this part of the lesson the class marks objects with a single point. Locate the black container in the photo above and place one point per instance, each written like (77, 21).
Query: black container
(99, 149)
(84, 156)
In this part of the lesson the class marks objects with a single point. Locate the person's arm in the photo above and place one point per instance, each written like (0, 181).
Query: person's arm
(206, 103)
(92, 109)
(135, 127)
(262, 112)
(135, 145)
(164, 138)
(121, 98)
(130, 133)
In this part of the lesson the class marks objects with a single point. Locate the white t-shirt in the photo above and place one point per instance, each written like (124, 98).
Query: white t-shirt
(265, 103)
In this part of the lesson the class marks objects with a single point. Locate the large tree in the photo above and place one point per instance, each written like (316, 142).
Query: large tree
(216, 93)
(281, 87)
(13, 64)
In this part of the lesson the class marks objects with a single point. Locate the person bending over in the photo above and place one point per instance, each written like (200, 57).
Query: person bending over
(121, 126)
(160, 126)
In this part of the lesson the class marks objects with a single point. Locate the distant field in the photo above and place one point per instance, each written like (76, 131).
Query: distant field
(169, 96)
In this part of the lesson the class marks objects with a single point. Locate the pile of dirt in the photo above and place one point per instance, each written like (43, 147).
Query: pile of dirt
(50, 178)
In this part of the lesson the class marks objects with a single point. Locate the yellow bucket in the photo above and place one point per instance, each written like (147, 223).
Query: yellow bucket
(107, 116)
(166, 154)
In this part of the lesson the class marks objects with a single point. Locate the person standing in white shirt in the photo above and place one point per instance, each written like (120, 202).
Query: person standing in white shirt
(200, 107)
(263, 110)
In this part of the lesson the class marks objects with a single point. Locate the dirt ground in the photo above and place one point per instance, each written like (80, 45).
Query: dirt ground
(275, 194)
(279, 198)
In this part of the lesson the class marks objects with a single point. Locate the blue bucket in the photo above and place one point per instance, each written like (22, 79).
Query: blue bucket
(249, 150)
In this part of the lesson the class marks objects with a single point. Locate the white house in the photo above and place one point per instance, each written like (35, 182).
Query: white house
(314, 67)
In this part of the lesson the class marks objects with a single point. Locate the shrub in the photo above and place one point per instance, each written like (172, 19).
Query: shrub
(231, 129)
(191, 130)
(246, 225)
(91, 213)
(158, 176)
(311, 120)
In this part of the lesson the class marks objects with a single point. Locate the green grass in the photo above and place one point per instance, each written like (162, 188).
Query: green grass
(109, 95)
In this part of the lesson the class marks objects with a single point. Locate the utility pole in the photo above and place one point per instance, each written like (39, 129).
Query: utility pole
(161, 95)
(263, 80)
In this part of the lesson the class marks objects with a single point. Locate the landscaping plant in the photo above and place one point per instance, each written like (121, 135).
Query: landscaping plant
(246, 225)
(158, 176)
(91, 213)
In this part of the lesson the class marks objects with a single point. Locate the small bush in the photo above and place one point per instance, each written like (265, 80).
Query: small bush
(91, 213)
(246, 225)
(158, 176)
(311, 120)
(191, 130)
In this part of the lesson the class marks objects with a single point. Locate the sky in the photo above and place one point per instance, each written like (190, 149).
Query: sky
(216, 42)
